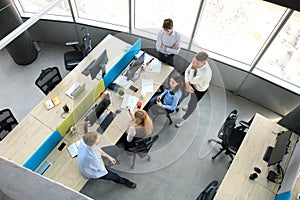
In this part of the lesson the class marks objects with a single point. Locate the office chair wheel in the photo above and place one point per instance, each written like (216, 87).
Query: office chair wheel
(209, 141)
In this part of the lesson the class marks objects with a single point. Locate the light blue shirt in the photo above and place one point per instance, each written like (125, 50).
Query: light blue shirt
(169, 41)
(90, 162)
(170, 101)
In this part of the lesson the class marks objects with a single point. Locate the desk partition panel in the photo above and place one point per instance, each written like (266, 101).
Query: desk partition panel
(122, 63)
(81, 108)
(42, 152)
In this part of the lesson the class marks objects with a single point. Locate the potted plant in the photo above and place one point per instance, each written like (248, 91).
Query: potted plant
(121, 92)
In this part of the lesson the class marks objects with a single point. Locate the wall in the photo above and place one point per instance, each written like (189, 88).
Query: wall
(20, 183)
(254, 88)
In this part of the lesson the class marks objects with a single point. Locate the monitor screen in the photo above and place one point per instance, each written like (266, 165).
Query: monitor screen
(292, 120)
(135, 66)
(100, 108)
(99, 64)
(282, 142)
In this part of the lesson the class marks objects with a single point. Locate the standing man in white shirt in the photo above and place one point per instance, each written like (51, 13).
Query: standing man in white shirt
(168, 42)
(91, 164)
(197, 79)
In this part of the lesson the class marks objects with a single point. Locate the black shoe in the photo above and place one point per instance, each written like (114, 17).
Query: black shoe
(130, 184)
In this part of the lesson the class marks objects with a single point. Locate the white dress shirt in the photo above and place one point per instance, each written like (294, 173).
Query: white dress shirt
(201, 79)
(169, 41)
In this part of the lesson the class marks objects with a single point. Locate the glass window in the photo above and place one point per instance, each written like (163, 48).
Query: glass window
(282, 59)
(149, 15)
(114, 12)
(35, 6)
(236, 29)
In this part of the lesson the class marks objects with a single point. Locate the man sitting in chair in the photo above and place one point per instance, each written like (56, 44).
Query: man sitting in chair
(91, 164)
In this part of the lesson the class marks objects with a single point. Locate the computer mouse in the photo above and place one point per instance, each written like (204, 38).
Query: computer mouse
(118, 111)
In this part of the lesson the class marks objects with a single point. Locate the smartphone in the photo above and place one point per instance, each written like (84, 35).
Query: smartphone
(61, 147)
(133, 88)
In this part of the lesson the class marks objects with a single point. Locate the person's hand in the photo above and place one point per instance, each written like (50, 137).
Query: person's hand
(112, 160)
(158, 98)
(176, 47)
(159, 103)
(189, 88)
(194, 67)
(163, 47)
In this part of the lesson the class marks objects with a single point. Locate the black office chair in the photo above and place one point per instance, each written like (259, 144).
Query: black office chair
(142, 147)
(209, 192)
(7, 122)
(48, 79)
(231, 135)
(73, 58)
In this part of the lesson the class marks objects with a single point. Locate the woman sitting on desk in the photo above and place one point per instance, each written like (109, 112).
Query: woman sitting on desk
(169, 98)
(140, 127)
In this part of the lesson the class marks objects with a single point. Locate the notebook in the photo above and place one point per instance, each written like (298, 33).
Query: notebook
(73, 148)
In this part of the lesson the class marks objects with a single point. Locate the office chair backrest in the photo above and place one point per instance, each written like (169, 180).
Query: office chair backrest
(209, 192)
(48, 79)
(143, 145)
(86, 42)
(7, 122)
(229, 125)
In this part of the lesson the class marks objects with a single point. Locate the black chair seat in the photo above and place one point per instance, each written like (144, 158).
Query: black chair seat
(7, 122)
(72, 59)
(48, 79)
(142, 147)
(231, 135)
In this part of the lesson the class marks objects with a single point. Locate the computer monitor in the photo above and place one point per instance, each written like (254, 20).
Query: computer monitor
(98, 65)
(94, 114)
(282, 142)
(292, 120)
(135, 66)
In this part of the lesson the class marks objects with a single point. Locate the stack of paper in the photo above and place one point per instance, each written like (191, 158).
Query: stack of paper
(129, 102)
(147, 85)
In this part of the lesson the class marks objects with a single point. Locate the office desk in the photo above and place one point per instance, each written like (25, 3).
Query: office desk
(24, 140)
(52, 118)
(65, 169)
(236, 183)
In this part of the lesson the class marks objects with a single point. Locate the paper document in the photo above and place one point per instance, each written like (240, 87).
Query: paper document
(154, 65)
(129, 102)
(73, 149)
(147, 85)
(122, 81)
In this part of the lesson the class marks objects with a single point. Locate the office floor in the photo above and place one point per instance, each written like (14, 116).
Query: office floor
(181, 164)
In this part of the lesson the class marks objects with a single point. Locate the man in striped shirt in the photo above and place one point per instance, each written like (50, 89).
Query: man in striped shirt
(168, 42)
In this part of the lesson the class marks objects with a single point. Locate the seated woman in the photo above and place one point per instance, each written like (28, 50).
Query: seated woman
(140, 127)
(169, 98)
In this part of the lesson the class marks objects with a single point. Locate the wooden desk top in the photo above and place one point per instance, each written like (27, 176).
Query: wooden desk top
(236, 183)
(64, 168)
(52, 118)
(24, 140)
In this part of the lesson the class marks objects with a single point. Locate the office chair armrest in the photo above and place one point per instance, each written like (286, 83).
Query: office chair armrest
(73, 63)
(244, 124)
(71, 43)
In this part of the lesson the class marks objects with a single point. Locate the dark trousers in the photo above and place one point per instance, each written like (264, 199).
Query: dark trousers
(114, 177)
(195, 98)
(169, 59)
